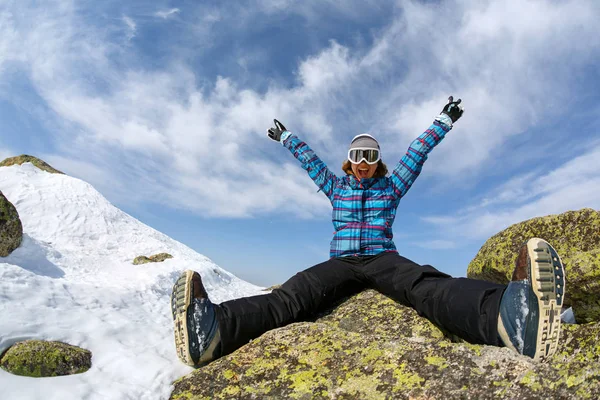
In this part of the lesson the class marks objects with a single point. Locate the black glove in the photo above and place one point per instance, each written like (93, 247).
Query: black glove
(452, 109)
(275, 133)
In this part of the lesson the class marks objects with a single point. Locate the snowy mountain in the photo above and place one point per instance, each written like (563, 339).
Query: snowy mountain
(72, 280)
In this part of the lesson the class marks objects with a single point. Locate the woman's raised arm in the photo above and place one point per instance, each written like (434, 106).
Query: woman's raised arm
(409, 167)
(316, 168)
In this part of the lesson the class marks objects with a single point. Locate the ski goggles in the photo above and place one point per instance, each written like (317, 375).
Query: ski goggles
(370, 156)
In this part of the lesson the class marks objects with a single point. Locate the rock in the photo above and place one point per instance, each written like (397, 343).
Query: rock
(371, 347)
(576, 237)
(11, 229)
(37, 358)
(24, 158)
(271, 288)
(160, 257)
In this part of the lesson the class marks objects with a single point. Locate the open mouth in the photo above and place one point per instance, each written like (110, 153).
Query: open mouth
(363, 172)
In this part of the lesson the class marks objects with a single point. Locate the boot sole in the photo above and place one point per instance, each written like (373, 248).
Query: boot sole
(181, 298)
(548, 284)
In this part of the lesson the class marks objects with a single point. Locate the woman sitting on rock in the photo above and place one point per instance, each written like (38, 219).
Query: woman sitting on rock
(523, 315)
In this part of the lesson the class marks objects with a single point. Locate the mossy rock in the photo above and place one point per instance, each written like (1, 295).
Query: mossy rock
(270, 288)
(576, 237)
(371, 347)
(38, 358)
(160, 257)
(24, 158)
(11, 229)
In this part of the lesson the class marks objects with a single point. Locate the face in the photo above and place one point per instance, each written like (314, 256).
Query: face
(364, 170)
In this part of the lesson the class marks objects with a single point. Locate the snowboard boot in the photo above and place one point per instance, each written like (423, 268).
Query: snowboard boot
(529, 320)
(197, 338)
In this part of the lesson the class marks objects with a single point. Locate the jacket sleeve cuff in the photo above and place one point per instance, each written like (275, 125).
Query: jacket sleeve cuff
(444, 119)
(284, 136)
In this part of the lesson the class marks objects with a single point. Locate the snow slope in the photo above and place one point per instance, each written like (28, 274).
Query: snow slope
(73, 280)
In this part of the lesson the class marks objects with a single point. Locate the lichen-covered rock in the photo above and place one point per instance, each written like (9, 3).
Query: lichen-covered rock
(11, 229)
(370, 347)
(24, 158)
(38, 358)
(160, 257)
(270, 288)
(576, 237)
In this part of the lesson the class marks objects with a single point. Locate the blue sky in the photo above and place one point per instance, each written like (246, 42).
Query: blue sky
(163, 106)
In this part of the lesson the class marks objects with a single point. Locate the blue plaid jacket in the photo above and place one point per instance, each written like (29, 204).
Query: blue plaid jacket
(364, 210)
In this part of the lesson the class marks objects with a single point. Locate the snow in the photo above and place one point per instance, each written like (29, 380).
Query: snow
(568, 316)
(72, 280)
(524, 312)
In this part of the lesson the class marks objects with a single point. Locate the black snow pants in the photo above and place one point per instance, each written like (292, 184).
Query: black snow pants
(465, 307)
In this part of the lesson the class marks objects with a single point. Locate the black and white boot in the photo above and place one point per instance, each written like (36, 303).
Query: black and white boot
(529, 320)
(197, 338)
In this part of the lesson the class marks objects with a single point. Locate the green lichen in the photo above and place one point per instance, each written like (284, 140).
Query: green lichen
(473, 347)
(531, 379)
(426, 328)
(232, 391)
(362, 387)
(37, 359)
(160, 257)
(339, 355)
(24, 158)
(503, 385)
(574, 380)
(583, 393)
(262, 366)
(305, 382)
(440, 362)
(11, 229)
(228, 374)
(406, 379)
(576, 237)
(187, 396)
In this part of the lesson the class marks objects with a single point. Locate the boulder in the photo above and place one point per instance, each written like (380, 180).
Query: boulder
(576, 237)
(38, 358)
(24, 158)
(271, 288)
(11, 229)
(160, 257)
(371, 347)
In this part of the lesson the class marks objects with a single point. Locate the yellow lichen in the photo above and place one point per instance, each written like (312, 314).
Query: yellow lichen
(440, 362)
(530, 379)
(406, 379)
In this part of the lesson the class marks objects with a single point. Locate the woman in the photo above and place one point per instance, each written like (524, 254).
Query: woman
(363, 255)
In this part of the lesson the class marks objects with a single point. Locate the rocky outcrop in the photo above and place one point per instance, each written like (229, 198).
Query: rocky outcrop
(11, 229)
(370, 347)
(37, 358)
(24, 158)
(271, 288)
(576, 237)
(160, 257)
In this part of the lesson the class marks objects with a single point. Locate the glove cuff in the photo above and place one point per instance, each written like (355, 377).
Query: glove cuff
(444, 119)
(284, 136)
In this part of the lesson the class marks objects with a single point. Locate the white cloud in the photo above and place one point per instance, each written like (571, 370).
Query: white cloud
(571, 186)
(502, 59)
(131, 27)
(327, 69)
(7, 39)
(206, 147)
(174, 137)
(167, 13)
(315, 11)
